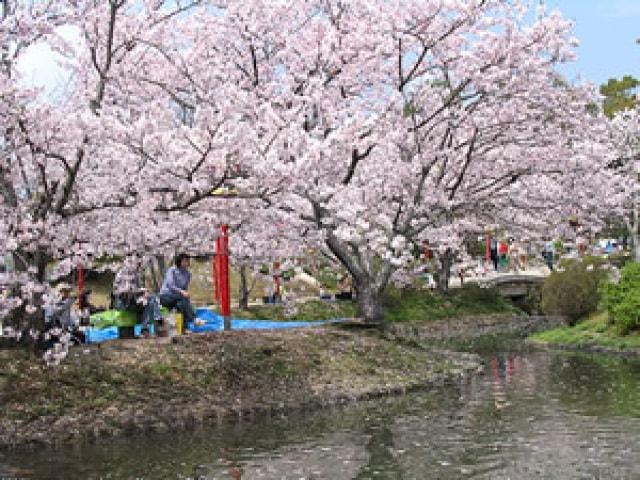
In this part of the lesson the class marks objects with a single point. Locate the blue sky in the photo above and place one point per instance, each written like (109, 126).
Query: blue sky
(607, 30)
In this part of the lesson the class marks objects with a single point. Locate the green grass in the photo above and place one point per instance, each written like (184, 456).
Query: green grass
(310, 310)
(594, 331)
(399, 305)
(420, 305)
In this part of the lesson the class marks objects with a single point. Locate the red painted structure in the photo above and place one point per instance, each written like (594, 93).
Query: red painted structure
(80, 280)
(276, 278)
(222, 262)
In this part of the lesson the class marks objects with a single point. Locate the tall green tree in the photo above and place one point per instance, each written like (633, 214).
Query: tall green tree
(620, 94)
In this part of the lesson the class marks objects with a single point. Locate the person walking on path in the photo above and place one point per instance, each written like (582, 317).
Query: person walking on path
(503, 252)
(547, 253)
(174, 292)
(494, 253)
(514, 256)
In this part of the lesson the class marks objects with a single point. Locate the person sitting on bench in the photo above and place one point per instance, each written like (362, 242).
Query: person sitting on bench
(345, 288)
(58, 318)
(131, 295)
(174, 292)
(58, 315)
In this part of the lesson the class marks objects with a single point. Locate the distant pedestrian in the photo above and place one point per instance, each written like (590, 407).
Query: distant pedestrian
(461, 268)
(503, 252)
(547, 254)
(514, 256)
(494, 253)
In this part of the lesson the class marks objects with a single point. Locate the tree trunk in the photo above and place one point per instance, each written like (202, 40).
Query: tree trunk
(444, 273)
(244, 289)
(157, 274)
(369, 302)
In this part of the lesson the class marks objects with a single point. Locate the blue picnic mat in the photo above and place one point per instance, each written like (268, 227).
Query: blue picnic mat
(215, 322)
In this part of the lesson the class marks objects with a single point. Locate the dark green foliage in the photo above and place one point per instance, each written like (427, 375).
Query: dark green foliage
(402, 305)
(473, 246)
(619, 94)
(623, 299)
(328, 278)
(619, 260)
(532, 303)
(573, 293)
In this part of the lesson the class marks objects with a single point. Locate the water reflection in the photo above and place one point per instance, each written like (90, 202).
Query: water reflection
(530, 416)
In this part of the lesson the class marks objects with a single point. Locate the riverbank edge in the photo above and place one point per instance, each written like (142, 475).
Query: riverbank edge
(478, 326)
(593, 334)
(114, 421)
(411, 372)
(582, 348)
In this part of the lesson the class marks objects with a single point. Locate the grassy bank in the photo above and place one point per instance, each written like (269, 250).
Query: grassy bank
(309, 310)
(408, 305)
(399, 306)
(592, 332)
(159, 385)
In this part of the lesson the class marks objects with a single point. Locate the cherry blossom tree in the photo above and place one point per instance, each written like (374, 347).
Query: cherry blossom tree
(368, 126)
(625, 143)
(382, 124)
(60, 168)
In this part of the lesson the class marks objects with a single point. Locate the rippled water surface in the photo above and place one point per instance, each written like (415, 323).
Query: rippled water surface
(534, 415)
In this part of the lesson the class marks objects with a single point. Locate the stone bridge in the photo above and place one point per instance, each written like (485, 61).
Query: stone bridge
(512, 285)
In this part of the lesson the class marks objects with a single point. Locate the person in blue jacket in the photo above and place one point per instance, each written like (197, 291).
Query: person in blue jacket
(174, 292)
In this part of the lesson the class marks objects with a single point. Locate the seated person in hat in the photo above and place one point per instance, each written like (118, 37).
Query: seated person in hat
(58, 317)
(130, 293)
(345, 288)
(59, 313)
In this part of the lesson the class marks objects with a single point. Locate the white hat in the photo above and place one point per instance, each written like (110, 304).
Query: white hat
(63, 286)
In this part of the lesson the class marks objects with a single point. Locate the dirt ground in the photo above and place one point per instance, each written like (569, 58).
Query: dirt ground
(163, 384)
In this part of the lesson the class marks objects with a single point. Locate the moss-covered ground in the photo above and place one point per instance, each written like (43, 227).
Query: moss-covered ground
(160, 384)
(594, 331)
(399, 306)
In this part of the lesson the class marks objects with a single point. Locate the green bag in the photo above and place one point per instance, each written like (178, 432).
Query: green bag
(113, 318)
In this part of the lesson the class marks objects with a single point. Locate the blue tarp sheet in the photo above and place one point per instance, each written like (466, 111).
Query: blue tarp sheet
(214, 323)
(97, 335)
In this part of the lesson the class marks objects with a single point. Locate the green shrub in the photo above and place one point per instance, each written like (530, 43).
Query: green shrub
(401, 305)
(620, 259)
(573, 293)
(474, 294)
(622, 300)
(532, 302)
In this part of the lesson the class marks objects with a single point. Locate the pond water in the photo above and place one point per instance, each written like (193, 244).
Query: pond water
(532, 415)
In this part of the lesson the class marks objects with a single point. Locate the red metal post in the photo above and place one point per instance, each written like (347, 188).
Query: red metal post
(276, 278)
(225, 300)
(80, 280)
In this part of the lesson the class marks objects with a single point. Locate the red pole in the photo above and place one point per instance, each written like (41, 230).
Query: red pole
(225, 300)
(276, 278)
(80, 280)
